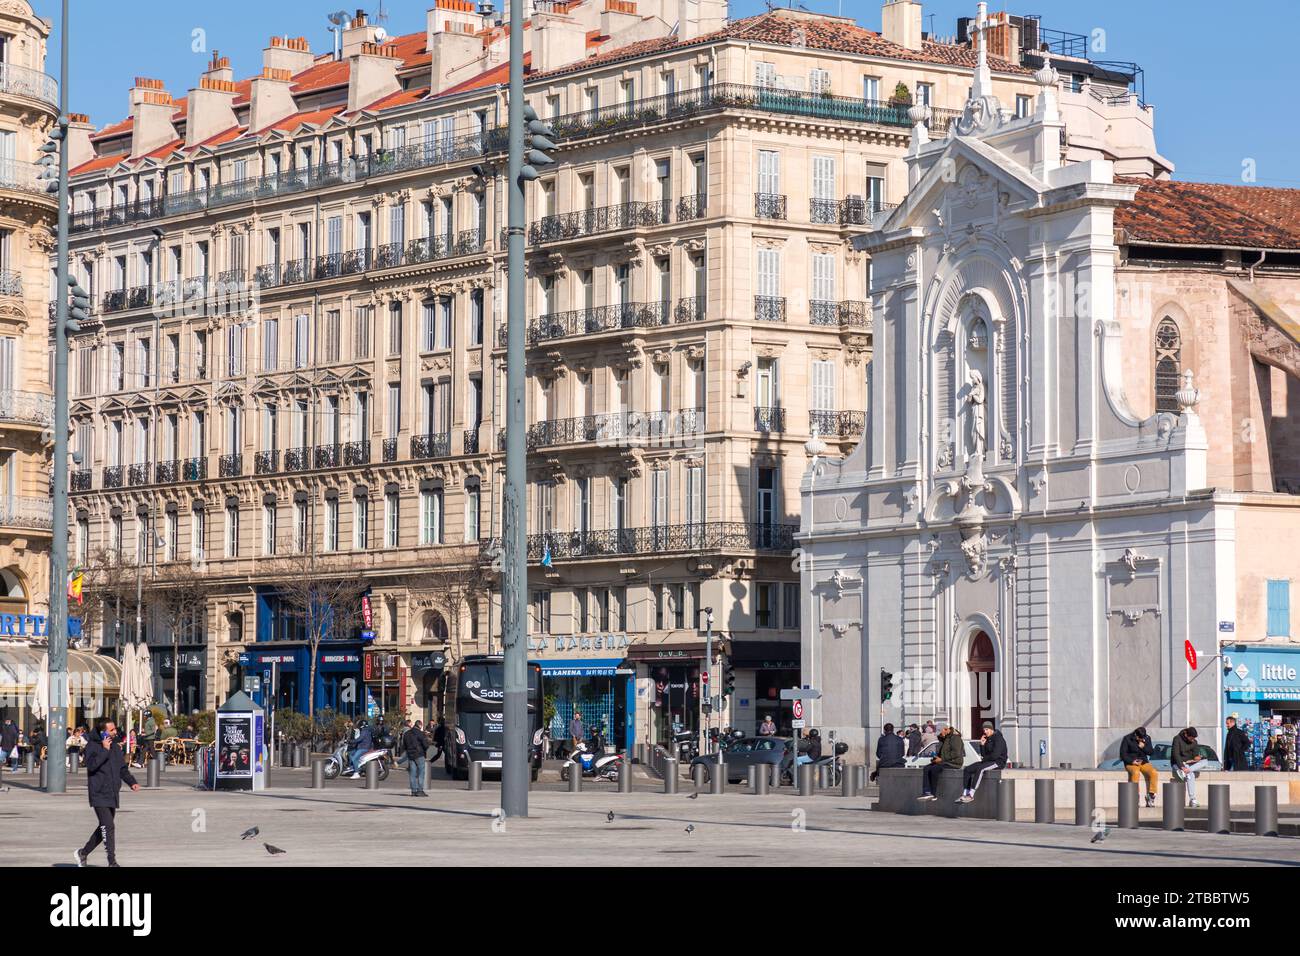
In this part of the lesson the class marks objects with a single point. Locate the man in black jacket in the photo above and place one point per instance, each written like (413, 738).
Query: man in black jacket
(106, 771)
(9, 742)
(415, 745)
(1135, 752)
(993, 754)
(889, 751)
(1236, 745)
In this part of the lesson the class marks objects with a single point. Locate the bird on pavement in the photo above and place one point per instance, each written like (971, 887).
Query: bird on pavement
(1100, 835)
(273, 850)
(249, 833)
(690, 828)
(609, 817)
(694, 796)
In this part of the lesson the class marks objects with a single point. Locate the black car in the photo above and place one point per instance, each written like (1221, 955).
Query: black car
(741, 753)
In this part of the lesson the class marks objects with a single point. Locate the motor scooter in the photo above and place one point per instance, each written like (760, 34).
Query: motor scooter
(340, 761)
(593, 760)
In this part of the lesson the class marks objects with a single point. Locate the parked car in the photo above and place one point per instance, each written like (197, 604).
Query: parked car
(745, 752)
(931, 750)
(1160, 759)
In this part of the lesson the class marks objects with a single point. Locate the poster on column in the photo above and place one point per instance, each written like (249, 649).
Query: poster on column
(234, 747)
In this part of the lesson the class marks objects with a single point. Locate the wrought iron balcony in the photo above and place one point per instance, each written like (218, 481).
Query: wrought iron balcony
(356, 452)
(430, 248)
(266, 462)
(80, 480)
(692, 309)
(21, 512)
(831, 424)
(11, 283)
(769, 308)
(857, 211)
(230, 466)
(728, 536)
(769, 206)
(297, 459)
(824, 211)
(469, 441)
(390, 449)
(844, 315)
(113, 476)
(434, 445)
(30, 407)
(166, 472)
(24, 177)
(195, 469)
(327, 456)
(769, 418)
(692, 207)
(605, 318)
(22, 81)
(138, 474)
(591, 222)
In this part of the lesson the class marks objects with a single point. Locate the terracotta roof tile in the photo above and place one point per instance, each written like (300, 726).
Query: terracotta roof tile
(321, 75)
(114, 129)
(225, 136)
(400, 98)
(1210, 214)
(165, 150)
(98, 163)
(313, 117)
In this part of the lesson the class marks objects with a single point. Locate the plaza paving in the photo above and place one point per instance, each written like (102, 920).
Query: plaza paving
(345, 824)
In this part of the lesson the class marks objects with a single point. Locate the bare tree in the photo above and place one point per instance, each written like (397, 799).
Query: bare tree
(180, 594)
(454, 585)
(323, 592)
(111, 584)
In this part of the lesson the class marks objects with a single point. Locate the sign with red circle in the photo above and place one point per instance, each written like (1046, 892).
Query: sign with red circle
(1190, 653)
(798, 710)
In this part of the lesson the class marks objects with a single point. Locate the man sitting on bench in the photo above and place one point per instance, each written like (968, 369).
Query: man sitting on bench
(993, 750)
(952, 754)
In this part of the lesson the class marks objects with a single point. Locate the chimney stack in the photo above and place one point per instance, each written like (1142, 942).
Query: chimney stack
(453, 40)
(288, 53)
(900, 22)
(151, 114)
(373, 74)
(695, 18)
(360, 31)
(211, 105)
(79, 148)
(269, 98)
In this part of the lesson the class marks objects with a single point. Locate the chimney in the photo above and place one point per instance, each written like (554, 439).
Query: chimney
(151, 112)
(79, 148)
(617, 15)
(373, 74)
(291, 54)
(269, 99)
(211, 105)
(360, 31)
(900, 22)
(695, 18)
(452, 38)
(557, 41)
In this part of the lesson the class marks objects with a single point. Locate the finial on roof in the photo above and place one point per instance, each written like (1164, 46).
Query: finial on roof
(1046, 75)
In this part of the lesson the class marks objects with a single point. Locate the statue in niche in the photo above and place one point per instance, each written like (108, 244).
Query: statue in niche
(975, 399)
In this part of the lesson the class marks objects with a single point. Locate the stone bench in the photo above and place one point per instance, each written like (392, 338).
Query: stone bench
(900, 788)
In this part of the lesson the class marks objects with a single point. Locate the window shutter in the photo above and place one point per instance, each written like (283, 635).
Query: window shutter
(823, 386)
(823, 177)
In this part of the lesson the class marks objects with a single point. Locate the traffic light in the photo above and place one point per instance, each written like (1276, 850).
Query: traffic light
(539, 138)
(49, 161)
(728, 680)
(886, 685)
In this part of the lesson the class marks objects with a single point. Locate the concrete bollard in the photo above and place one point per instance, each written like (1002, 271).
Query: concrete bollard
(475, 781)
(762, 781)
(1085, 801)
(575, 777)
(849, 782)
(152, 774)
(318, 772)
(718, 778)
(1220, 809)
(1266, 811)
(806, 780)
(1044, 800)
(774, 776)
(1007, 801)
(372, 775)
(670, 775)
(1174, 796)
(700, 776)
(1128, 806)
(74, 763)
(624, 776)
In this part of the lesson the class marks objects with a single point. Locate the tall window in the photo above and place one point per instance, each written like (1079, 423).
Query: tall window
(268, 528)
(331, 524)
(300, 526)
(198, 535)
(392, 519)
(232, 531)
(431, 516)
(1169, 347)
(473, 498)
(360, 523)
(428, 317)
(395, 328)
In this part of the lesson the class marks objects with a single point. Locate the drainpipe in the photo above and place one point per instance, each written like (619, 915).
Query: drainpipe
(1257, 263)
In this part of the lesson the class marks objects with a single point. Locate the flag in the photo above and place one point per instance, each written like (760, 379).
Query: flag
(546, 554)
(75, 581)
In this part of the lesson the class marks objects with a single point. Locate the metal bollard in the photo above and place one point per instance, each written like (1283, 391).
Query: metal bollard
(1220, 809)
(849, 782)
(1044, 800)
(670, 775)
(1266, 811)
(1007, 801)
(718, 778)
(823, 777)
(774, 776)
(74, 763)
(1128, 806)
(1085, 801)
(318, 772)
(427, 780)
(1174, 795)
(475, 781)
(372, 775)
(304, 755)
(699, 775)
(575, 777)
(864, 775)
(29, 761)
(151, 774)
(751, 778)
(624, 776)
(806, 780)
(44, 764)
(762, 780)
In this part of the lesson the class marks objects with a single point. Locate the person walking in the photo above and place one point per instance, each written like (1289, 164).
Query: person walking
(106, 771)
(415, 745)
(767, 728)
(9, 743)
(1236, 745)
(1185, 758)
(439, 738)
(993, 754)
(577, 733)
(1135, 752)
(951, 756)
(889, 752)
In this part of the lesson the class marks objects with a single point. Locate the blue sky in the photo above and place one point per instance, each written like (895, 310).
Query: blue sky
(1213, 114)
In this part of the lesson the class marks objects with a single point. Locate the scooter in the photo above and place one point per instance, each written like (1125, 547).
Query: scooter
(688, 747)
(340, 761)
(593, 762)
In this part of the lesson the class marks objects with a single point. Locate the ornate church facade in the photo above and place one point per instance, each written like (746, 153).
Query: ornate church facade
(1049, 516)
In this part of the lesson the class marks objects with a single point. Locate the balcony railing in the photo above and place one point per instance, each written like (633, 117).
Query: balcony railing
(844, 315)
(390, 449)
(80, 480)
(830, 424)
(195, 469)
(605, 318)
(266, 462)
(31, 407)
(419, 251)
(356, 452)
(11, 283)
(857, 211)
(113, 476)
(230, 466)
(769, 206)
(769, 308)
(692, 207)
(469, 441)
(24, 177)
(615, 429)
(327, 456)
(769, 418)
(591, 222)
(166, 472)
(19, 512)
(434, 445)
(297, 459)
(691, 309)
(660, 539)
(138, 474)
(21, 81)
(358, 261)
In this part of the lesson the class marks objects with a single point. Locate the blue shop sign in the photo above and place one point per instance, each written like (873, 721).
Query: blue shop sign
(1261, 674)
(607, 667)
(22, 625)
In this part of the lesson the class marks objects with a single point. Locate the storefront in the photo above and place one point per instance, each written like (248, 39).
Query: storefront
(187, 686)
(278, 678)
(93, 683)
(669, 692)
(426, 675)
(763, 669)
(588, 675)
(384, 674)
(1261, 688)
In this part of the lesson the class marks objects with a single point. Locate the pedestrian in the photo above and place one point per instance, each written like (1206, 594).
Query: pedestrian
(106, 771)
(39, 741)
(9, 742)
(415, 745)
(993, 756)
(928, 735)
(914, 743)
(1185, 758)
(1135, 752)
(439, 737)
(577, 733)
(75, 744)
(767, 728)
(951, 756)
(889, 752)
(362, 742)
(1235, 747)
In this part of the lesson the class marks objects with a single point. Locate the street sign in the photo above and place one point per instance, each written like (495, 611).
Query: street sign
(797, 724)
(1190, 653)
(1228, 626)
(798, 710)
(801, 693)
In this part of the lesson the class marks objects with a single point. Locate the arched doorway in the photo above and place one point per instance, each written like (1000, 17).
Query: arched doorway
(981, 662)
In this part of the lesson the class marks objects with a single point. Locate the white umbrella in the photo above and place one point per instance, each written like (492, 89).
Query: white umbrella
(41, 696)
(143, 683)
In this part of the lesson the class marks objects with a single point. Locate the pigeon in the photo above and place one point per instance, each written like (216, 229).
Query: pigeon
(250, 832)
(609, 817)
(694, 796)
(690, 828)
(273, 850)
(1100, 835)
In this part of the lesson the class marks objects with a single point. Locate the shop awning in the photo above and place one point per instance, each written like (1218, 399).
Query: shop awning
(606, 667)
(89, 675)
(1249, 695)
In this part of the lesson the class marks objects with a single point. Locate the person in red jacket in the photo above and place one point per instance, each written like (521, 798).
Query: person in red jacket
(106, 771)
